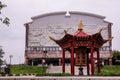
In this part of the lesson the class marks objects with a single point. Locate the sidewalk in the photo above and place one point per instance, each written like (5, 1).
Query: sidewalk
(60, 78)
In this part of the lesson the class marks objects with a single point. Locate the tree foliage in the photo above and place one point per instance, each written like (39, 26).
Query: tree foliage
(116, 57)
(3, 19)
(1, 56)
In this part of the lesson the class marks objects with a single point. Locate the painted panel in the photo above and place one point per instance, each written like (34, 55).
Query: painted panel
(39, 36)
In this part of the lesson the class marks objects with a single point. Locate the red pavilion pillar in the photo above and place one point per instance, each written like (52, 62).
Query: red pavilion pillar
(63, 61)
(88, 64)
(92, 61)
(72, 60)
(98, 60)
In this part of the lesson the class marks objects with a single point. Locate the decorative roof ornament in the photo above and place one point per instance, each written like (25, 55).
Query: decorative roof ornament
(100, 30)
(110, 38)
(51, 38)
(80, 26)
(65, 32)
(67, 14)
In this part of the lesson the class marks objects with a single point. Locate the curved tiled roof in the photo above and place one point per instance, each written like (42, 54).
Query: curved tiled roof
(95, 40)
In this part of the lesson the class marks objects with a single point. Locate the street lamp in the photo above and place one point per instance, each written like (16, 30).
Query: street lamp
(10, 58)
(45, 55)
(45, 52)
(43, 60)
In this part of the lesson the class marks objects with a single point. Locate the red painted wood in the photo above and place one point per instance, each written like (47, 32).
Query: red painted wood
(92, 61)
(80, 33)
(72, 60)
(98, 60)
(88, 64)
(63, 61)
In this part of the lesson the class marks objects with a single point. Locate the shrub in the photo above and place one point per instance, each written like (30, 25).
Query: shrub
(108, 70)
(55, 74)
(116, 57)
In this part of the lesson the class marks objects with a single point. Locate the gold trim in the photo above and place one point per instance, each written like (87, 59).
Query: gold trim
(65, 31)
(51, 38)
(100, 31)
(80, 26)
(110, 38)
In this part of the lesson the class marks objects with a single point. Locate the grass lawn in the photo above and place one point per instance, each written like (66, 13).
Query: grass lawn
(107, 70)
(38, 70)
(28, 69)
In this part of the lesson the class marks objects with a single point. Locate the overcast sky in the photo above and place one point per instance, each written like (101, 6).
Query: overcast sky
(12, 38)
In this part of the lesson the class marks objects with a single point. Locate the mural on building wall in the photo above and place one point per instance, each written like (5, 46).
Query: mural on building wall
(38, 36)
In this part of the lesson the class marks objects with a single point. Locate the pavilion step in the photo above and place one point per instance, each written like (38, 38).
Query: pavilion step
(58, 69)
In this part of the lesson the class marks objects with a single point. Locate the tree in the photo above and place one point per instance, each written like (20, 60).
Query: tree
(116, 57)
(1, 56)
(4, 19)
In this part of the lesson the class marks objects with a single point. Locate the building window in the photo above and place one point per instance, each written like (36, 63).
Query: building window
(38, 49)
(31, 48)
(110, 48)
(57, 48)
(53, 48)
(107, 48)
(50, 48)
(60, 48)
(103, 48)
(28, 48)
(34, 48)
(47, 49)
(41, 49)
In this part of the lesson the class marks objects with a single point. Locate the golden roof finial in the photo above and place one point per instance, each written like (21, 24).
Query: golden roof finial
(51, 38)
(110, 38)
(100, 31)
(65, 31)
(80, 26)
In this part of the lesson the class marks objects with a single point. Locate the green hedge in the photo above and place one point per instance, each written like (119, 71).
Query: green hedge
(55, 74)
(27, 69)
(109, 70)
(37, 70)
(106, 70)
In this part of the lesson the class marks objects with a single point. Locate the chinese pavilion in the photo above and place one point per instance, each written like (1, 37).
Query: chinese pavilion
(83, 45)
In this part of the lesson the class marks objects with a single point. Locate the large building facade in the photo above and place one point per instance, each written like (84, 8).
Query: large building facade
(39, 49)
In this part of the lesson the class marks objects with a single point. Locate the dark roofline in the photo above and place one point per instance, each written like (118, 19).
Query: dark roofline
(87, 14)
(48, 14)
(108, 22)
(28, 23)
(71, 12)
